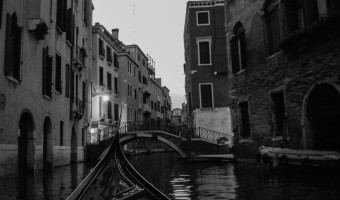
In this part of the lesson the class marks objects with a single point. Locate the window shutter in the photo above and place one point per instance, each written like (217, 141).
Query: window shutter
(44, 65)
(243, 49)
(49, 74)
(8, 46)
(234, 55)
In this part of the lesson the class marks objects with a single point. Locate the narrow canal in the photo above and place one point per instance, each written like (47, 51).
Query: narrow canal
(180, 180)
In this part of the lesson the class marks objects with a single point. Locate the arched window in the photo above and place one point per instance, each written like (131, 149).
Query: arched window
(271, 9)
(13, 47)
(238, 48)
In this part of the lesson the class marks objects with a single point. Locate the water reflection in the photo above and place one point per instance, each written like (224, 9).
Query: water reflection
(180, 180)
(181, 187)
(56, 184)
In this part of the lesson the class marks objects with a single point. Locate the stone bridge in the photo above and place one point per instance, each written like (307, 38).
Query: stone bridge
(201, 141)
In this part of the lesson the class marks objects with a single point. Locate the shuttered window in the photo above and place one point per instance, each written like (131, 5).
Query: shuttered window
(12, 66)
(116, 111)
(206, 94)
(67, 80)
(101, 76)
(70, 26)
(115, 85)
(62, 15)
(109, 81)
(47, 73)
(116, 63)
(109, 109)
(58, 83)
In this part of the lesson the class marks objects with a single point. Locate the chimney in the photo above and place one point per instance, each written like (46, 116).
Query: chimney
(115, 32)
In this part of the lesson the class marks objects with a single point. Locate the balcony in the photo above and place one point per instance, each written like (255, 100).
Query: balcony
(146, 108)
(78, 109)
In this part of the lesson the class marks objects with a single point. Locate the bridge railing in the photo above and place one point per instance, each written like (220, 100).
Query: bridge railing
(214, 136)
(126, 127)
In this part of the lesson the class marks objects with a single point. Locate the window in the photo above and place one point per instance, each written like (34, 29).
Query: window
(139, 76)
(272, 25)
(62, 15)
(238, 48)
(108, 54)
(12, 47)
(58, 82)
(109, 109)
(138, 56)
(206, 95)
(203, 18)
(115, 85)
(152, 105)
(70, 26)
(204, 51)
(129, 67)
(101, 76)
(84, 93)
(135, 93)
(109, 81)
(130, 90)
(279, 111)
(47, 73)
(134, 72)
(244, 121)
(116, 112)
(61, 129)
(116, 63)
(67, 80)
(101, 48)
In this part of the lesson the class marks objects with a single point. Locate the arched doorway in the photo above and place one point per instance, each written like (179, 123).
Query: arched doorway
(26, 143)
(48, 144)
(74, 146)
(323, 115)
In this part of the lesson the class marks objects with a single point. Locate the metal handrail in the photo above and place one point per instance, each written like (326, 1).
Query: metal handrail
(213, 136)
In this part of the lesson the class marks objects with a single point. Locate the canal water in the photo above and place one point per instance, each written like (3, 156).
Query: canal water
(182, 181)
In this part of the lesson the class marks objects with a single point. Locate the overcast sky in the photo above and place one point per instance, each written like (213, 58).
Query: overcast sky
(156, 26)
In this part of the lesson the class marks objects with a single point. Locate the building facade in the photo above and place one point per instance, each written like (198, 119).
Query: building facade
(44, 83)
(205, 66)
(284, 73)
(104, 82)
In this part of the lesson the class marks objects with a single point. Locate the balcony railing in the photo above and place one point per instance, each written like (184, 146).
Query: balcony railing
(80, 58)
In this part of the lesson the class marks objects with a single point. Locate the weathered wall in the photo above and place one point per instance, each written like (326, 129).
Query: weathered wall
(294, 71)
(217, 119)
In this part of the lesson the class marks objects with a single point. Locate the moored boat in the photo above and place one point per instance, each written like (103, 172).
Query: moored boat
(296, 157)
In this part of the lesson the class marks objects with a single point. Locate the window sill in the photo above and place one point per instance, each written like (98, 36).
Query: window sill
(246, 140)
(205, 64)
(274, 55)
(47, 97)
(12, 79)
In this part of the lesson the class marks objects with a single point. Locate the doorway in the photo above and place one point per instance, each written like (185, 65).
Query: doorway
(47, 145)
(26, 143)
(323, 114)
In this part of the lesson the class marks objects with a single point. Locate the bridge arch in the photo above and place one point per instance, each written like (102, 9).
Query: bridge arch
(126, 138)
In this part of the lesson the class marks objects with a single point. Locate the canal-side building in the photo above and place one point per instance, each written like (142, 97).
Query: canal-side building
(205, 66)
(284, 73)
(45, 57)
(104, 82)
